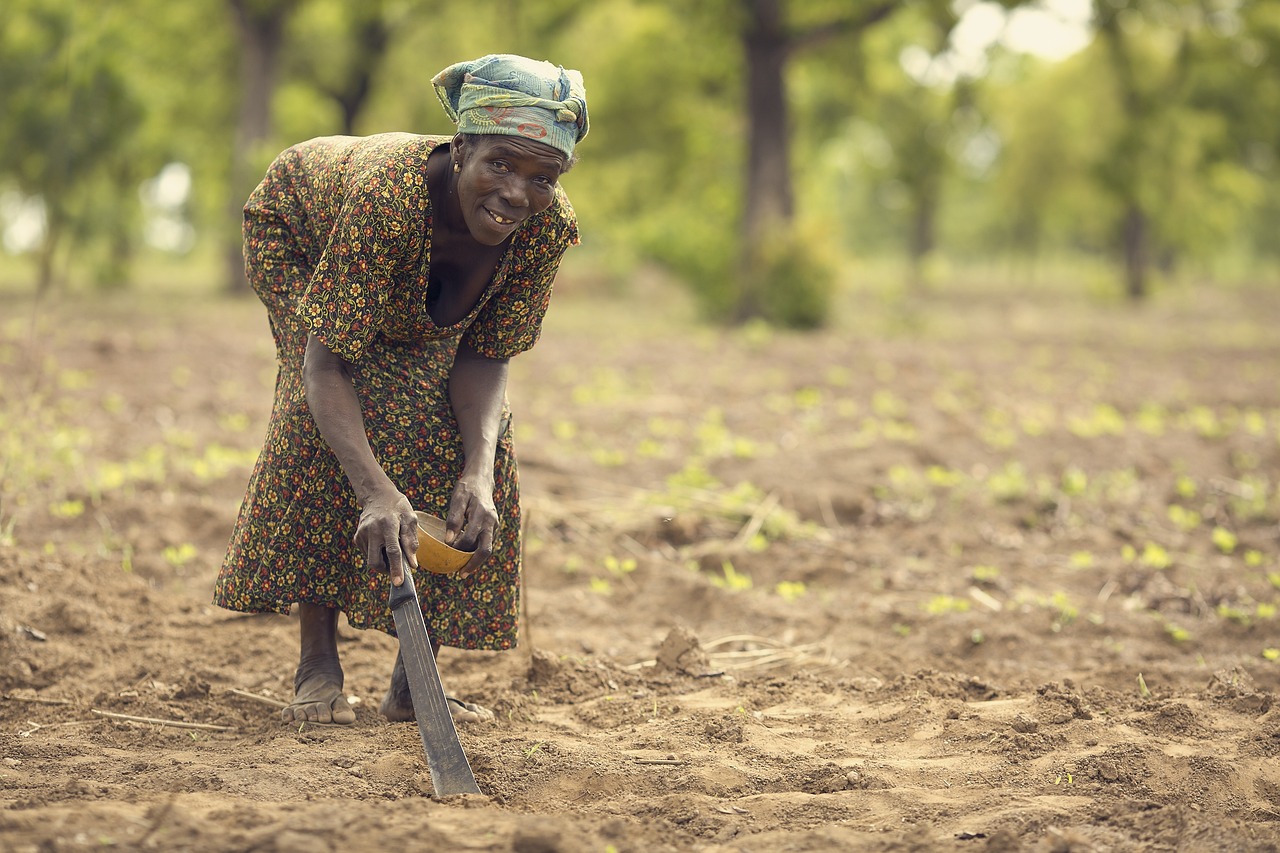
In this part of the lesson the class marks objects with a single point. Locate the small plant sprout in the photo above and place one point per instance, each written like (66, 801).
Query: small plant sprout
(1081, 560)
(1142, 687)
(1103, 420)
(1253, 558)
(1185, 487)
(1271, 654)
(984, 574)
(733, 581)
(601, 586)
(1151, 419)
(179, 555)
(1074, 482)
(1224, 540)
(940, 605)
(1184, 519)
(620, 567)
(1009, 484)
(1155, 556)
(67, 509)
(790, 590)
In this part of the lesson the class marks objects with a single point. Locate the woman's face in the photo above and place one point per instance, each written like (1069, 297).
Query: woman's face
(503, 181)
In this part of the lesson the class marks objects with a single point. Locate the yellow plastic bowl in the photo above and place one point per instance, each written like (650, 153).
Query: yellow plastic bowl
(433, 554)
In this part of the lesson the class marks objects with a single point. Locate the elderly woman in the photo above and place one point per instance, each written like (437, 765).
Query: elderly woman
(400, 273)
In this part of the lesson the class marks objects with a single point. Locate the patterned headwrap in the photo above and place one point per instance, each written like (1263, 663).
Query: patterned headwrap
(515, 96)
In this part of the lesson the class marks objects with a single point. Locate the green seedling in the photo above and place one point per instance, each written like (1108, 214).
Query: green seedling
(67, 509)
(1182, 518)
(733, 580)
(620, 568)
(607, 458)
(1271, 654)
(1224, 540)
(1104, 420)
(1155, 556)
(1074, 482)
(790, 590)
(942, 604)
(1009, 484)
(1152, 419)
(1238, 615)
(179, 555)
(1185, 487)
(601, 586)
(1081, 560)
(886, 405)
(984, 574)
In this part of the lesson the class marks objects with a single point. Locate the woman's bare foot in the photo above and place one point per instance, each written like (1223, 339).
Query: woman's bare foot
(318, 696)
(317, 685)
(397, 705)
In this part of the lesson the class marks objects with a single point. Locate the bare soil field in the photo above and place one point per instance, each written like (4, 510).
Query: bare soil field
(980, 573)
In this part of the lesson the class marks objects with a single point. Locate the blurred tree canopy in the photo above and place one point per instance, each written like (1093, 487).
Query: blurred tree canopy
(753, 147)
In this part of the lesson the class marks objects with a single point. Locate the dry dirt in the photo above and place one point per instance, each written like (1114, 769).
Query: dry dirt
(943, 578)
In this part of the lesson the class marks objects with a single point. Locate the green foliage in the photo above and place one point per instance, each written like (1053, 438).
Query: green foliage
(792, 276)
(1171, 115)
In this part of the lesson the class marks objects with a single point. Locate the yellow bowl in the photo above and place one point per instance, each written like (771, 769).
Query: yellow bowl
(433, 554)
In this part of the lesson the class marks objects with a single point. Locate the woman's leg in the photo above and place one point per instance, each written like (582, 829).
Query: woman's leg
(317, 685)
(397, 705)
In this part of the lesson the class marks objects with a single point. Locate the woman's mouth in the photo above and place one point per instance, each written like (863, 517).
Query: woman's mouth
(501, 220)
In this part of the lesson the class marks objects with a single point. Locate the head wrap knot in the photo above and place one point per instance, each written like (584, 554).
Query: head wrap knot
(514, 96)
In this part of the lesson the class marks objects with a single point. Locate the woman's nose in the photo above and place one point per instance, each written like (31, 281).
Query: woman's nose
(515, 192)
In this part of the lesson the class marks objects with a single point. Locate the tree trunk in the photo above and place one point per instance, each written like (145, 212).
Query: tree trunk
(370, 35)
(46, 275)
(923, 236)
(260, 26)
(769, 203)
(1137, 252)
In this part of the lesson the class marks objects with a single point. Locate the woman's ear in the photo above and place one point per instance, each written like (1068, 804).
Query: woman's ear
(457, 149)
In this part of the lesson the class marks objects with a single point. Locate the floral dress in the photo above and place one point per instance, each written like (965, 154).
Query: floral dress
(337, 242)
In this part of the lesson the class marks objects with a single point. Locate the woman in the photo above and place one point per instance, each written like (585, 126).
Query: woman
(400, 273)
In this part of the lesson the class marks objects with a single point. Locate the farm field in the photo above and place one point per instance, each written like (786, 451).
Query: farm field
(985, 572)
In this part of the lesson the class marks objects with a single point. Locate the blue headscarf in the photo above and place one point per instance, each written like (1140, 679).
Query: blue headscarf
(515, 96)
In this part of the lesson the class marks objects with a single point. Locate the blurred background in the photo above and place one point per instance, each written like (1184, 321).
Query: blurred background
(764, 155)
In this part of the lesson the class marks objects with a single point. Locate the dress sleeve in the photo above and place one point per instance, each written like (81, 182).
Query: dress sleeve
(511, 322)
(345, 301)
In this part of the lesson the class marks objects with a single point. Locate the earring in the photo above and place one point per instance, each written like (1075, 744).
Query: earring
(457, 167)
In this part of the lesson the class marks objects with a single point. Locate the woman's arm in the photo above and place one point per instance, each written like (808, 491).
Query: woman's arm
(388, 529)
(477, 391)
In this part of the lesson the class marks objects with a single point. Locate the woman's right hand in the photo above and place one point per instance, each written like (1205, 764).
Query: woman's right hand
(388, 534)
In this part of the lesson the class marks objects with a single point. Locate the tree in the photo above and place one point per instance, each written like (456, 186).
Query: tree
(260, 28)
(69, 115)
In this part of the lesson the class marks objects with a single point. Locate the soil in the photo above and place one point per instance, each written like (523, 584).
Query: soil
(982, 572)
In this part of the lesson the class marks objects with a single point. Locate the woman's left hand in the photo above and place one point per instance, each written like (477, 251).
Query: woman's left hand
(472, 522)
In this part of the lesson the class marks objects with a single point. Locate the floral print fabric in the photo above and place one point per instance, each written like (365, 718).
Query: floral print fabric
(337, 242)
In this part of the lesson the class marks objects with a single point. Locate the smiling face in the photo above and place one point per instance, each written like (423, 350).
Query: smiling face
(502, 182)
